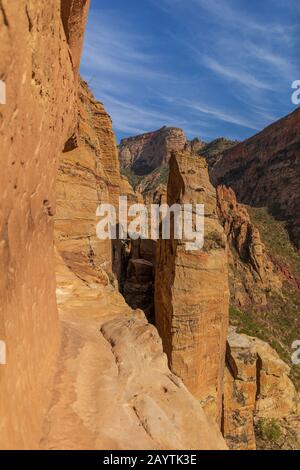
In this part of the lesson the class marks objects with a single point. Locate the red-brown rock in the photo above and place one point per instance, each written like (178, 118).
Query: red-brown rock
(264, 171)
(146, 152)
(38, 118)
(251, 272)
(191, 290)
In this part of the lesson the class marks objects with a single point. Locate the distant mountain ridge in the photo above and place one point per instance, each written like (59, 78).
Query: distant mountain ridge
(144, 158)
(264, 171)
(146, 152)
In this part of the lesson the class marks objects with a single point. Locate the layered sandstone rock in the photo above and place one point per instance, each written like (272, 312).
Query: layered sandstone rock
(265, 171)
(191, 289)
(146, 152)
(196, 145)
(38, 118)
(240, 390)
(88, 298)
(154, 183)
(252, 273)
(257, 387)
(74, 14)
(112, 388)
(214, 151)
(276, 394)
(88, 175)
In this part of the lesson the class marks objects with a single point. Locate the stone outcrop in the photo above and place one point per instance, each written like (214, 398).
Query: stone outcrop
(64, 385)
(74, 14)
(112, 387)
(88, 175)
(240, 390)
(169, 415)
(252, 273)
(191, 290)
(196, 145)
(265, 171)
(257, 387)
(92, 374)
(145, 152)
(39, 116)
(214, 151)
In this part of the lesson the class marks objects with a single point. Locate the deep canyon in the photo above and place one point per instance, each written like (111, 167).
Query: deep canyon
(137, 344)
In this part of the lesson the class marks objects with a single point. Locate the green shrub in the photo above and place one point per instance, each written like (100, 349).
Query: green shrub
(269, 430)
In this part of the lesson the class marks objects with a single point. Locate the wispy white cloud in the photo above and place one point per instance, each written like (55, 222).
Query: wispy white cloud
(235, 74)
(234, 15)
(111, 50)
(278, 62)
(127, 117)
(244, 39)
(220, 114)
(209, 113)
(214, 66)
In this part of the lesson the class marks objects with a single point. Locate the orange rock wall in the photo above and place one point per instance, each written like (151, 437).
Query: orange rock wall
(251, 271)
(145, 152)
(74, 15)
(264, 170)
(88, 175)
(35, 123)
(191, 290)
(257, 386)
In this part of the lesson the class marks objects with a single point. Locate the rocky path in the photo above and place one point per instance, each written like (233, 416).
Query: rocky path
(112, 387)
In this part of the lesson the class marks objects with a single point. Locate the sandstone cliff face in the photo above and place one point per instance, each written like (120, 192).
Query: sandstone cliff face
(240, 390)
(98, 380)
(106, 394)
(88, 175)
(38, 118)
(196, 145)
(146, 152)
(265, 171)
(213, 151)
(257, 387)
(119, 375)
(74, 14)
(252, 273)
(264, 267)
(191, 290)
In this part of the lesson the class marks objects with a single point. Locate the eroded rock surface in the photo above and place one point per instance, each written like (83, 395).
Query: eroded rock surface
(257, 387)
(88, 176)
(191, 289)
(146, 152)
(264, 171)
(90, 403)
(112, 388)
(38, 118)
(101, 393)
(252, 273)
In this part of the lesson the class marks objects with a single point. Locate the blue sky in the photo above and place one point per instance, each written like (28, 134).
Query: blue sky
(212, 67)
